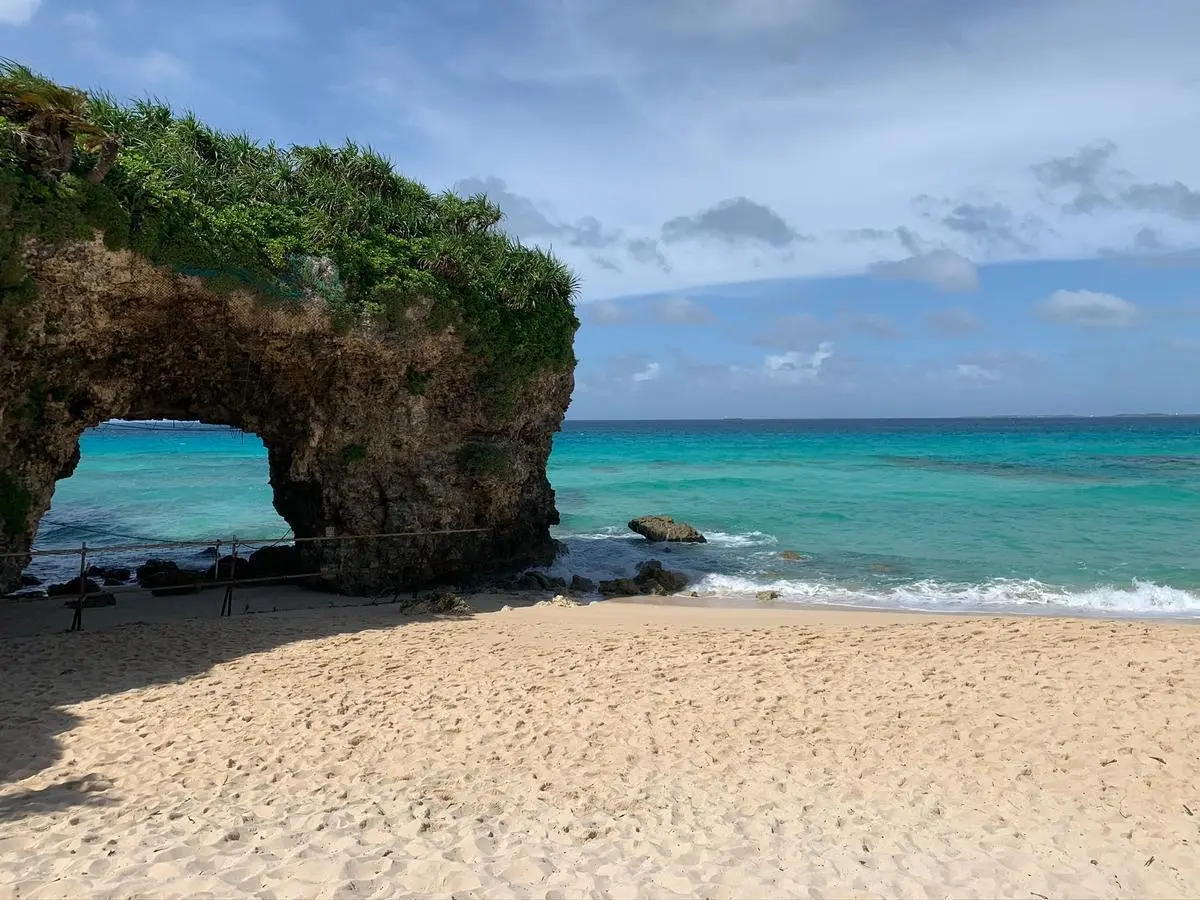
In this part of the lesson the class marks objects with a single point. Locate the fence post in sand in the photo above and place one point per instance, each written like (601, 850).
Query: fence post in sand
(77, 619)
(227, 603)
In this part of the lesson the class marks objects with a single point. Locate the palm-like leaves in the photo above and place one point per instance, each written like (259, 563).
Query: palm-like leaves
(203, 198)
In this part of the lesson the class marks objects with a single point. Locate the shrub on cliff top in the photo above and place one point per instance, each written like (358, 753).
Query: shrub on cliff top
(223, 206)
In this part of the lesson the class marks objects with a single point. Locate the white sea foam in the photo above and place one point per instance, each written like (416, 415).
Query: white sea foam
(1139, 598)
(615, 553)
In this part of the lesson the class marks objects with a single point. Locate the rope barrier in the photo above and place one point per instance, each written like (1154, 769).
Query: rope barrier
(271, 541)
(84, 551)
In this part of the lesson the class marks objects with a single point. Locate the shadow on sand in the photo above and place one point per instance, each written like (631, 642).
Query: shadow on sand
(46, 671)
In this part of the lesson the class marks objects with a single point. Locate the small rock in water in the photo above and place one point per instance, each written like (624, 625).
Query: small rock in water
(793, 556)
(30, 581)
(664, 528)
(766, 596)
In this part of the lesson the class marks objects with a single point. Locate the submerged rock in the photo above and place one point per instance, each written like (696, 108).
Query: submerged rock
(664, 528)
(793, 556)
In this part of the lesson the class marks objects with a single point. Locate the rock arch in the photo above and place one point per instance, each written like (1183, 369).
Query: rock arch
(366, 432)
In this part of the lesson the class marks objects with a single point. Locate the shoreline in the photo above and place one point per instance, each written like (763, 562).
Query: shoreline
(21, 617)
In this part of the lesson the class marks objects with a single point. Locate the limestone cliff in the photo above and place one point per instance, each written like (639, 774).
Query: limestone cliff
(419, 393)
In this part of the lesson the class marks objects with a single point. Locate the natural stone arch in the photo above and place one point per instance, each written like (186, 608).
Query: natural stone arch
(405, 362)
(364, 435)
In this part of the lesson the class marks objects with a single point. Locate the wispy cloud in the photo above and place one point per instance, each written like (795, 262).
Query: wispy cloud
(17, 12)
(1091, 309)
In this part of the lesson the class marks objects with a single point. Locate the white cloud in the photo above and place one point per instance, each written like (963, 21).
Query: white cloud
(649, 373)
(17, 12)
(944, 269)
(834, 115)
(606, 312)
(1090, 309)
(796, 366)
(681, 311)
(975, 373)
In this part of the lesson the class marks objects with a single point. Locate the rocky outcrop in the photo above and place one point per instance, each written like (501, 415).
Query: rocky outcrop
(352, 448)
(651, 578)
(403, 360)
(664, 528)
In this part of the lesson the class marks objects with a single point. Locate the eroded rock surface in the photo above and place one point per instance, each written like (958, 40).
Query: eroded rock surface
(366, 434)
(664, 528)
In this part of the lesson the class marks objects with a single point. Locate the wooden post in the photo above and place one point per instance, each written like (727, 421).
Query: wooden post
(227, 603)
(77, 619)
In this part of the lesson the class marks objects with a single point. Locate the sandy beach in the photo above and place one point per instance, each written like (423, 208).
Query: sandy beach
(612, 750)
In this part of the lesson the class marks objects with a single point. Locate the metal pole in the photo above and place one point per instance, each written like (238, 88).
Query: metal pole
(77, 619)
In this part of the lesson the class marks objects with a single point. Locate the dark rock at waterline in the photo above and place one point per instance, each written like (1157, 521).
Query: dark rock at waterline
(110, 575)
(68, 588)
(582, 585)
(274, 562)
(166, 579)
(539, 581)
(30, 581)
(227, 568)
(664, 528)
(651, 578)
(651, 574)
(620, 587)
(91, 601)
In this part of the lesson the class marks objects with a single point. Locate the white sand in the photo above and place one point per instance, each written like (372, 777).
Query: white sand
(615, 750)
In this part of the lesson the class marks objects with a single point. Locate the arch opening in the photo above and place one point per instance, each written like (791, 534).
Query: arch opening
(154, 489)
(356, 447)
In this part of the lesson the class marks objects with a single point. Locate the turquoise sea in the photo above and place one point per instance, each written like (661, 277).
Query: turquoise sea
(1036, 515)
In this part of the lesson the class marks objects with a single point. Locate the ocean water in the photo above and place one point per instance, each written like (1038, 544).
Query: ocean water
(1090, 515)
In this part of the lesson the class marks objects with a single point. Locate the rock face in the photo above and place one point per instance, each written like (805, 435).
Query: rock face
(664, 528)
(651, 578)
(366, 434)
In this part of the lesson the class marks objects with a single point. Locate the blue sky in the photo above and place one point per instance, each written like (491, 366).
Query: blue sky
(800, 208)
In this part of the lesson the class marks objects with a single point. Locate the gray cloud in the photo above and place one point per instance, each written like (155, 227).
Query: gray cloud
(944, 269)
(647, 251)
(992, 225)
(681, 311)
(877, 325)
(952, 322)
(734, 220)
(1149, 239)
(1088, 172)
(522, 218)
(1175, 199)
(1090, 309)
(1080, 172)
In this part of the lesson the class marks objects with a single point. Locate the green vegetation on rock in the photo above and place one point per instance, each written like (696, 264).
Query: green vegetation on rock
(247, 215)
